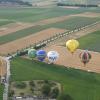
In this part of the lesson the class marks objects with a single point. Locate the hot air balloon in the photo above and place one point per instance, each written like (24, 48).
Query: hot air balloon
(52, 56)
(72, 45)
(85, 57)
(32, 53)
(41, 55)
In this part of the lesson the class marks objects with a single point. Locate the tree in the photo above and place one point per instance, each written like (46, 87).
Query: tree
(46, 89)
(54, 93)
(64, 96)
(20, 2)
(32, 89)
(31, 83)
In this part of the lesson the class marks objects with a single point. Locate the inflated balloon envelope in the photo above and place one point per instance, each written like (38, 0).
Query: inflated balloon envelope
(41, 55)
(72, 45)
(52, 56)
(85, 57)
(32, 53)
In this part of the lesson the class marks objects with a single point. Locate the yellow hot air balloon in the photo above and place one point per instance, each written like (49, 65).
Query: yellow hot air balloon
(72, 45)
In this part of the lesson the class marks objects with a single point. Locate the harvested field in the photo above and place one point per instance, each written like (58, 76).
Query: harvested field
(69, 60)
(2, 67)
(26, 41)
(13, 27)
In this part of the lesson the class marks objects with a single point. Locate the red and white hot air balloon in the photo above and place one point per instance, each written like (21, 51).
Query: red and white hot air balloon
(85, 57)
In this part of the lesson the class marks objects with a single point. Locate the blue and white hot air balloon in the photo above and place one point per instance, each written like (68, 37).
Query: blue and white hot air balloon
(41, 55)
(52, 56)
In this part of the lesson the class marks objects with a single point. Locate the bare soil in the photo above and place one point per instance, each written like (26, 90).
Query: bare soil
(68, 60)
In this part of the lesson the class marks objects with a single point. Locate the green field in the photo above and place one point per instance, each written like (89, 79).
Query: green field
(4, 22)
(91, 41)
(1, 92)
(35, 14)
(80, 85)
(70, 24)
(75, 22)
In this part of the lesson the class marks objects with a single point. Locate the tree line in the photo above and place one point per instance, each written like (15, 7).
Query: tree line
(20, 2)
(77, 5)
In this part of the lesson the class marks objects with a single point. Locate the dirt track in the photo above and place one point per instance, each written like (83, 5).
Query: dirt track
(2, 67)
(69, 60)
(26, 41)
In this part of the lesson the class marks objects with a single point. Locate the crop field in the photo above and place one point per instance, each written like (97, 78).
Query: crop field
(86, 84)
(29, 40)
(70, 24)
(92, 41)
(35, 14)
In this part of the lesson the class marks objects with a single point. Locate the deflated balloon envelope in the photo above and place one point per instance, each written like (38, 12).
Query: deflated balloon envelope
(52, 56)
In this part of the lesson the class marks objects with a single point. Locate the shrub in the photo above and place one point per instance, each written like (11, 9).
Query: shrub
(46, 90)
(31, 83)
(22, 94)
(32, 89)
(20, 85)
(11, 93)
(46, 81)
(64, 97)
(54, 93)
